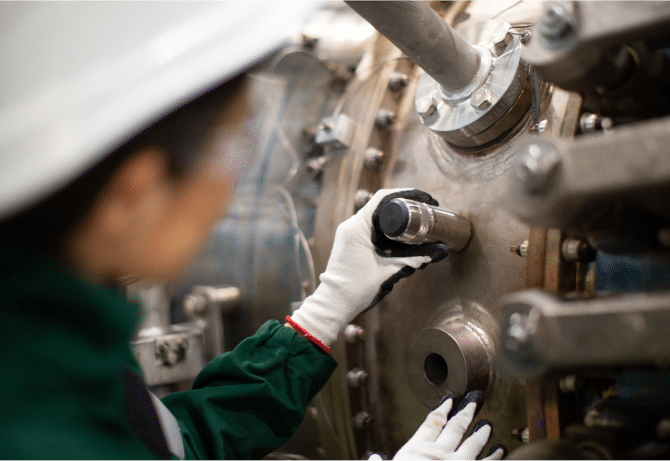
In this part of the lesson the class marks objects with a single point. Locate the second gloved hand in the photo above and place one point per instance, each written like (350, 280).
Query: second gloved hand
(363, 267)
(439, 437)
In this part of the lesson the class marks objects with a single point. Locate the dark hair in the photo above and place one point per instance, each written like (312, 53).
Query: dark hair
(181, 134)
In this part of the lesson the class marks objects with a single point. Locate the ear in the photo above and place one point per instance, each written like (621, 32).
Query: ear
(136, 192)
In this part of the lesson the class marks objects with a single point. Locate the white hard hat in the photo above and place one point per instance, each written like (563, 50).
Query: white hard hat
(78, 79)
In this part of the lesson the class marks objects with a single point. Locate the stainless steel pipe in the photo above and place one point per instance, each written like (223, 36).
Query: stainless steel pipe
(425, 38)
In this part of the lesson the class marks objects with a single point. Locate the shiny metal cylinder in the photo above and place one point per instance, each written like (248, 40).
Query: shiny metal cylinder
(155, 314)
(451, 357)
(424, 224)
(425, 37)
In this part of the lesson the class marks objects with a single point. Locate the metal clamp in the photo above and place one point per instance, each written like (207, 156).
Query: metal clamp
(541, 332)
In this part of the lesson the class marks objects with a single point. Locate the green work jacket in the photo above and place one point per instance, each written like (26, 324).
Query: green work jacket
(70, 388)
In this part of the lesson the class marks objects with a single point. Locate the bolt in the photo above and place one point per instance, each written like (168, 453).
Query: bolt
(525, 37)
(373, 158)
(500, 39)
(194, 305)
(353, 333)
(384, 119)
(590, 123)
(426, 106)
(556, 21)
(538, 166)
(481, 99)
(663, 428)
(357, 378)
(522, 435)
(568, 384)
(521, 329)
(362, 197)
(317, 164)
(540, 128)
(521, 249)
(577, 250)
(398, 81)
(362, 420)
(380, 455)
(591, 418)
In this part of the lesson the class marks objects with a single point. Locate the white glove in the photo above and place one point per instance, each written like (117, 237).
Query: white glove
(363, 267)
(439, 437)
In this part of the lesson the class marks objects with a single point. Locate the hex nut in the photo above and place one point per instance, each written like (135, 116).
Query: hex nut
(373, 158)
(362, 420)
(357, 378)
(398, 81)
(481, 99)
(353, 333)
(384, 119)
(500, 39)
(521, 249)
(426, 106)
(362, 197)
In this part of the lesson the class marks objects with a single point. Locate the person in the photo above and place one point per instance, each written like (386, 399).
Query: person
(123, 136)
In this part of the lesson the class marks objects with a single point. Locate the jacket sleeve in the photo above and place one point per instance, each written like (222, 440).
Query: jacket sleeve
(246, 403)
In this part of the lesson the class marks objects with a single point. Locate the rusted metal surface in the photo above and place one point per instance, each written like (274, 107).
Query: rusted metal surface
(551, 413)
(535, 269)
(537, 239)
(547, 270)
(535, 412)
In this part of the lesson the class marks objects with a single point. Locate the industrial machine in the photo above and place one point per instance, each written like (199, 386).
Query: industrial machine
(545, 126)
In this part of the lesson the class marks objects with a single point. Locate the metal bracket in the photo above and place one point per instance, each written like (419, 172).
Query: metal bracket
(335, 132)
(571, 37)
(540, 331)
(556, 181)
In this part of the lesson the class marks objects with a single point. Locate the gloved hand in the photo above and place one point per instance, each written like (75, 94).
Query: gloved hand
(363, 267)
(439, 437)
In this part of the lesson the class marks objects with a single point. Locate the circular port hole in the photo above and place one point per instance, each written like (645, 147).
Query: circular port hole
(435, 368)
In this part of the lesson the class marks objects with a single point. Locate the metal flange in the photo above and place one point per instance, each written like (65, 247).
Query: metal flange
(494, 101)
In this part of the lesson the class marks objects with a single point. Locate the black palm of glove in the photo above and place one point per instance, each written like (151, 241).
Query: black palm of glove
(441, 434)
(363, 268)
